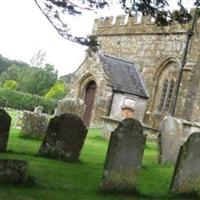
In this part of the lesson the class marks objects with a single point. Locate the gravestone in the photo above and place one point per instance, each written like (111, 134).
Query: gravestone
(74, 106)
(5, 122)
(34, 124)
(169, 140)
(38, 110)
(186, 177)
(64, 138)
(124, 157)
(13, 171)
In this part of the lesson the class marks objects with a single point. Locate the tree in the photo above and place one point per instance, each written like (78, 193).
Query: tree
(55, 9)
(15, 73)
(40, 80)
(38, 59)
(10, 84)
(58, 91)
(5, 63)
(34, 80)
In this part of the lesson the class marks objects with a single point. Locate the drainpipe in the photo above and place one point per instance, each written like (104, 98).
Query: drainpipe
(111, 101)
(189, 34)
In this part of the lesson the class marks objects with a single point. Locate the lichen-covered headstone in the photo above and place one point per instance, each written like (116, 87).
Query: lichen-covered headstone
(34, 124)
(71, 105)
(169, 140)
(186, 177)
(5, 122)
(64, 138)
(124, 157)
(13, 171)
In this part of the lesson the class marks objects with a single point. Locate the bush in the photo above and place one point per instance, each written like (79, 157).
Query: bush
(25, 101)
(58, 91)
(10, 84)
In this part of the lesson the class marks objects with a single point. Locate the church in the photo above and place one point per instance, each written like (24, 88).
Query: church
(140, 62)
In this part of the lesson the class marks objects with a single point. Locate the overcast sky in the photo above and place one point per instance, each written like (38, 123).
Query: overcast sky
(24, 31)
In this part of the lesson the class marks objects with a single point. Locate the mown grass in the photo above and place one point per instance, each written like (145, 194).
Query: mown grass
(58, 180)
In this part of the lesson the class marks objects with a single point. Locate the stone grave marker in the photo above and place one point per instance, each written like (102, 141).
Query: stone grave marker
(38, 110)
(5, 123)
(169, 140)
(124, 157)
(13, 171)
(74, 106)
(34, 124)
(186, 177)
(64, 138)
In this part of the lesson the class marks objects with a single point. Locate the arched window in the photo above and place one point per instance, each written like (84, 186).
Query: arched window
(165, 87)
(168, 88)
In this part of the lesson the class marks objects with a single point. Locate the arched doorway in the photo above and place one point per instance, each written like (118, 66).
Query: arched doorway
(90, 91)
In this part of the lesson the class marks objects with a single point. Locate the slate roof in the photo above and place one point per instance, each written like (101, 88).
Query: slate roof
(124, 76)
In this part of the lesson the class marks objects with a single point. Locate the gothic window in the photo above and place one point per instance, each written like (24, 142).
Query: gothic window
(167, 93)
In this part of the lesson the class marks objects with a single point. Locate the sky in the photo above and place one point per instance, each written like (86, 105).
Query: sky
(25, 31)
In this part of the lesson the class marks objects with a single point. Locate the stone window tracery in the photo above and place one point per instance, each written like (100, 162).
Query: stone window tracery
(168, 90)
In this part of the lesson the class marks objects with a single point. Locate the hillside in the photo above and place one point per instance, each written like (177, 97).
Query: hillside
(5, 63)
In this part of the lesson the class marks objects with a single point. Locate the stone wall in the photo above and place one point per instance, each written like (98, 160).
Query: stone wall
(152, 48)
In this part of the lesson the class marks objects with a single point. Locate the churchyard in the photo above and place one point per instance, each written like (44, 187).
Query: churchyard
(56, 179)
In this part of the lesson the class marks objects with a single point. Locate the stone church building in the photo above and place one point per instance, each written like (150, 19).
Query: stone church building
(139, 61)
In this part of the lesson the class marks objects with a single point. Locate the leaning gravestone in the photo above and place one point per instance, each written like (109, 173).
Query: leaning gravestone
(186, 177)
(124, 157)
(13, 171)
(169, 140)
(64, 138)
(5, 122)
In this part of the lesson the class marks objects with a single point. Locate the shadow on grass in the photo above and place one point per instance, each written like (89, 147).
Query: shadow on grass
(20, 152)
(30, 183)
(139, 196)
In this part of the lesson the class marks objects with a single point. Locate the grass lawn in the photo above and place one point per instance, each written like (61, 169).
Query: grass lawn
(57, 180)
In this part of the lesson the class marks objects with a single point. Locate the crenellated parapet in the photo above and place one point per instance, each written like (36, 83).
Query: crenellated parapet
(128, 25)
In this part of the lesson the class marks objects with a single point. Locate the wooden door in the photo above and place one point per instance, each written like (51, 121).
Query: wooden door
(89, 101)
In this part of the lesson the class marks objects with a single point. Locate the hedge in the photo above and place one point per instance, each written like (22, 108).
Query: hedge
(25, 101)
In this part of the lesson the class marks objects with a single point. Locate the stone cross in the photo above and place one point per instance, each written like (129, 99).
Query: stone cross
(186, 177)
(124, 157)
(5, 122)
(169, 140)
(64, 138)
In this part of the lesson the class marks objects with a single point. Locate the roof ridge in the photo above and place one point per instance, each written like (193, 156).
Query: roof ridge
(111, 56)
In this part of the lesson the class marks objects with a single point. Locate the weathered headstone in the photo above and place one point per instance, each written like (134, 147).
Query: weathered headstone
(13, 171)
(5, 123)
(186, 177)
(64, 138)
(71, 105)
(38, 110)
(169, 140)
(124, 157)
(34, 125)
